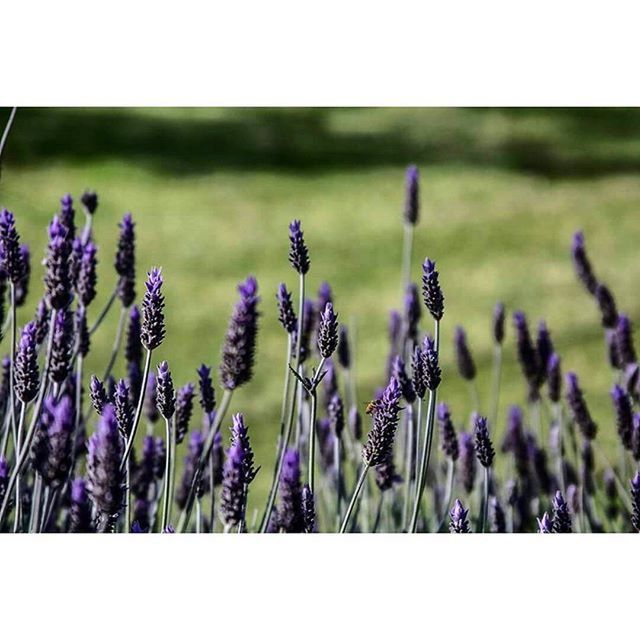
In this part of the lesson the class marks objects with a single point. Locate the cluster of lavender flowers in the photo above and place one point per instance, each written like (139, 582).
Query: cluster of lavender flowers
(74, 458)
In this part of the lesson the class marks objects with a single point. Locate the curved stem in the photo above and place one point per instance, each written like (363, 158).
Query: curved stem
(5, 133)
(116, 343)
(166, 490)
(337, 463)
(104, 312)
(12, 359)
(354, 497)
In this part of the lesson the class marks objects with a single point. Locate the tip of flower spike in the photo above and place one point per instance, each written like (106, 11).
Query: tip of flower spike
(635, 483)
(429, 266)
(558, 500)
(127, 222)
(443, 411)
(57, 229)
(617, 393)
(412, 173)
(544, 523)
(578, 241)
(458, 512)
(248, 288)
(90, 200)
(519, 319)
(295, 226)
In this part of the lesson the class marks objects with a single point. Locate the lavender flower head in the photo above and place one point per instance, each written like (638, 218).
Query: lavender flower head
(635, 502)
(399, 372)
(418, 378)
(624, 415)
(308, 509)
(386, 476)
(431, 291)
(544, 524)
(125, 261)
(527, 355)
(581, 262)
(484, 448)
(81, 330)
(298, 252)
(459, 518)
(98, 394)
(607, 304)
(26, 365)
(412, 195)
(61, 346)
(625, 348)
(194, 452)
(290, 512)
(236, 367)
(57, 278)
(355, 423)
(328, 331)
(466, 365)
(554, 378)
(497, 516)
(22, 286)
(412, 312)
(10, 256)
(448, 439)
(498, 323)
(579, 409)
(105, 451)
(383, 429)
(152, 330)
(68, 215)
(561, 521)
(123, 408)
(325, 294)
(335, 411)
(41, 321)
(58, 442)
(467, 463)
(430, 366)
(165, 394)
(184, 410)
(80, 509)
(89, 200)
(286, 314)
(544, 346)
(232, 495)
(635, 438)
(240, 435)
(344, 351)
(207, 392)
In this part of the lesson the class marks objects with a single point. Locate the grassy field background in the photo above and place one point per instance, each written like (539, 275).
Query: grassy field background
(213, 190)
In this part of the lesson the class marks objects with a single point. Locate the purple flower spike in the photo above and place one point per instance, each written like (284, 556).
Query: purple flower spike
(325, 294)
(10, 256)
(545, 347)
(431, 291)
(554, 378)
(624, 415)
(328, 332)
(459, 521)
(125, 261)
(286, 314)
(240, 435)
(290, 512)
(400, 374)
(61, 346)
(298, 252)
(430, 366)
(105, 480)
(196, 446)
(498, 323)
(579, 409)
(635, 502)
(607, 304)
(152, 331)
(412, 195)
(484, 448)
(26, 365)
(166, 397)
(635, 438)
(89, 200)
(232, 495)
(497, 517)
(355, 423)
(386, 476)
(207, 392)
(22, 286)
(57, 443)
(68, 215)
(418, 378)
(582, 265)
(42, 322)
(544, 524)
(412, 312)
(98, 394)
(124, 408)
(448, 439)
(466, 365)
(80, 509)
(184, 410)
(625, 348)
(236, 367)
(82, 335)
(335, 412)
(561, 521)
(383, 429)
(468, 463)
(133, 345)
(57, 278)
(308, 509)
(527, 355)
(344, 350)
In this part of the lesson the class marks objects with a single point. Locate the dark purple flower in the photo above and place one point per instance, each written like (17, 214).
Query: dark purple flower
(330, 381)
(527, 355)
(86, 280)
(232, 494)
(544, 524)
(105, 451)
(399, 372)
(582, 264)
(152, 330)
(578, 406)
(75, 259)
(607, 305)
(610, 339)
(124, 408)
(80, 508)
(355, 423)
(545, 347)
(217, 456)
(497, 519)
(344, 352)
(61, 346)
(466, 365)
(624, 415)
(515, 441)
(81, 329)
(430, 367)
(328, 332)
(484, 448)
(207, 392)
(57, 278)
(448, 439)
(89, 200)
(151, 400)
(298, 252)
(467, 461)
(240, 435)
(431, 291)
(68, 215)
(98, 394)
(308, 325)
(41, 321)
(286, 314)
(133, 344)
(611, 493)
(184, 410)
(554, 378)
(561, 521)
(290, 510)
(588, 467)
(386, 476)
(59, 442)
(395, 327)
(22, 286)
(418, 378)
(459, 521)
(383, 429)
(498, 323)
(125, 261)
(412, 312)
(335, 411)
(635, 502)
(236, 365)
(166, 397)
(26, 365)
(624, 341)
(308, 509)
(412, 195)
(325, 294)
(635, 438)
(10, 255)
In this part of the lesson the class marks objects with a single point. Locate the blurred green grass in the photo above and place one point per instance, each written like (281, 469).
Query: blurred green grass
(213, 191)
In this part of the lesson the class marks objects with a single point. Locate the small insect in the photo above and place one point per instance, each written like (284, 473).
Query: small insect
(371, 407)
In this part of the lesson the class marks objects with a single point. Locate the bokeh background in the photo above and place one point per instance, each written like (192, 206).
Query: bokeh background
(213, 190)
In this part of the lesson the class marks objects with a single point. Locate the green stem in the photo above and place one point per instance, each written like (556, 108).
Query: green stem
(312, 441)
(116, 343)
(7, 128)
(166, 490)
(497, 375)
(198, 515)
(17, 523)
(104, 312)
(408, 467)
(35, 504)
(354, 497)
(485, 501)
(407, 248)
(337, 463)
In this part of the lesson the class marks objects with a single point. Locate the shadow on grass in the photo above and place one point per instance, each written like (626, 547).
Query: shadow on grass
(549, 142)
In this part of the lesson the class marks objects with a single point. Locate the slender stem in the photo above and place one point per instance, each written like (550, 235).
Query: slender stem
(12, 358)
(136, 419)
(7, 128)
(79, 369)
(206, 452)
(557, 413)
(497, 375)
(88, 223)
(167, 482)
(283, 441)
(354, 497)
(338, 464)
(116, 343)
(475, 398)
(104, 312)
(198, 515)
(408, 466)
(424, 462)
(172, 470)
(485, 501)
(312, 441)
(127, 504)
(35, 504)
(46, 500)
(451, 474)
(17, 524)
(24, 450)
(407, 248)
